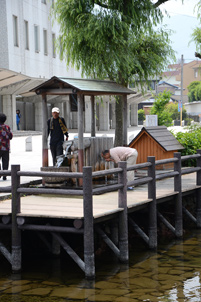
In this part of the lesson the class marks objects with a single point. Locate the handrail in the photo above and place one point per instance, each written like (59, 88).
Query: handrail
(100, 190)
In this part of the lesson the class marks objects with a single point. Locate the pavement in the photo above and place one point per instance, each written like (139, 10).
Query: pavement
(32, 160)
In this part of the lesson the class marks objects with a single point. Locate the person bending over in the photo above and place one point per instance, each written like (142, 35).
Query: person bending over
(122, 154)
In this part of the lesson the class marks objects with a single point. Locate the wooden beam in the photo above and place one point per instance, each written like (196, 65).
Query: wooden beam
(56, 91)
(93, 124)
(125, 136)
(44, 132)
(80, 135)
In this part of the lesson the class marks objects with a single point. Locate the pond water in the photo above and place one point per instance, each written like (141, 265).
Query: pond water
(172, 274)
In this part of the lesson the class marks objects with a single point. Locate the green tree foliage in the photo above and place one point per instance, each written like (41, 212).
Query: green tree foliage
(172, 108)
(118, 40)
(159, 108)
(141, 115)
(194, 93)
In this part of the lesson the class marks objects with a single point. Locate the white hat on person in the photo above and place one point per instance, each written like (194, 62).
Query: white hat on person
(55, 109)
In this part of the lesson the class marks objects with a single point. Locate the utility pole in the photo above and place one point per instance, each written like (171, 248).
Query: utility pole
(181, 108)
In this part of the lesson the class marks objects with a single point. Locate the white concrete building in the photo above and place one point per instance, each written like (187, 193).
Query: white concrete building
(28, 55)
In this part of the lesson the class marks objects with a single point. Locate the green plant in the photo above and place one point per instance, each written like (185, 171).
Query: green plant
(141, 115)
(191, 141)
(194, 93)
(159, 108)
(172, 108)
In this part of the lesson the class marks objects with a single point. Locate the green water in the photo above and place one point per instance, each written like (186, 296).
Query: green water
(170, 274)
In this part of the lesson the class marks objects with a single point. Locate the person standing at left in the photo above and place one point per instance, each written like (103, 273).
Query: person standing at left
(5, 137)
(18, 116)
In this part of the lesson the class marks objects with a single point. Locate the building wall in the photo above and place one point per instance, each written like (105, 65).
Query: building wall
(30, 62)
(193, 108)
(37, 64)
(3, 36)
(190, 74)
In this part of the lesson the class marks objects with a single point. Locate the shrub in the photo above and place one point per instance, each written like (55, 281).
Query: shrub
(141, 115)
(191, 141)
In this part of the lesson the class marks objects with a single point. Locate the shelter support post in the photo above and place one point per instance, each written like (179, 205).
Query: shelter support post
(44, 133)
(152, 206)
(88, 224)
(80, 135)
(16, 232)
(123, 217)
(198, 192)
(125, 136)
(93, 125)
(178, 203)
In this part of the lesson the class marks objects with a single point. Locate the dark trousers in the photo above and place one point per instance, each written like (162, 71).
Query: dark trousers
(56, 150)
(4, 155)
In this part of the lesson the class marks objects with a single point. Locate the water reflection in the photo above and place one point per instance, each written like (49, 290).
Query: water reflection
(172, 274)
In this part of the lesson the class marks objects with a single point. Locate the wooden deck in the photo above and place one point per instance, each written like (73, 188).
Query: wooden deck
(71, 207)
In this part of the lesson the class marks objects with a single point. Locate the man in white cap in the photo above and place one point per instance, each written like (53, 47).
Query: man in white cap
(57, 129)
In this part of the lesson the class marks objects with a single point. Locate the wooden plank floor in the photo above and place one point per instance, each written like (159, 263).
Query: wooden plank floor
(71, 207)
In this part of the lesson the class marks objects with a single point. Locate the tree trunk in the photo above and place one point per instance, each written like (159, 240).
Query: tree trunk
(119, 122)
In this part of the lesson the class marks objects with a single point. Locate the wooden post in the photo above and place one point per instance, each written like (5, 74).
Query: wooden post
(44, 132)
(152, 206)
(125, 136)
(88, 224)
(80, 135)
(16, 233)
(93, 124)
(123, 219)
(198, 192)
(178, 204)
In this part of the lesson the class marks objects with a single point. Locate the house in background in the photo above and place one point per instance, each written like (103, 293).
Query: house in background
(191, 72)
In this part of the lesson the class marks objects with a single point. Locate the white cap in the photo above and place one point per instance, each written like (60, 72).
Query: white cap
(55, 109)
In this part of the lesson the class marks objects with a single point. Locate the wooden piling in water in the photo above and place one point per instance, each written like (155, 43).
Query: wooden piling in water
(123, 217)
(88, 224)
(152, 206)
(16, 232)
(198, 192)
(178, 201)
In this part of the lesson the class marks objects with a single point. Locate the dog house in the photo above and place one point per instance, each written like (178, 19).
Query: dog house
(155, 141)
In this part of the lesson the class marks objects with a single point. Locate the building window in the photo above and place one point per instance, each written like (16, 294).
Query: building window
(26, 34)
(195, 73)
(45, 41)
(36, 38)
(53, 45)
(43, 1)
(15, 31)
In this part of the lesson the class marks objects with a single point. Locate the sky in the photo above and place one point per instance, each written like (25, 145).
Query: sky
(182, 20)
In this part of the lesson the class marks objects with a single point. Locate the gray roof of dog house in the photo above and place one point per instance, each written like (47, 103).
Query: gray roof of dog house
(162, 136)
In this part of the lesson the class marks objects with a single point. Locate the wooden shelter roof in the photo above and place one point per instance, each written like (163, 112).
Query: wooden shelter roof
(61, 86)
(162, 136)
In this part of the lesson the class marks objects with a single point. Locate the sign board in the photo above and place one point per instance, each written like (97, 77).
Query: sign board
(151, 120)
(179, 106)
